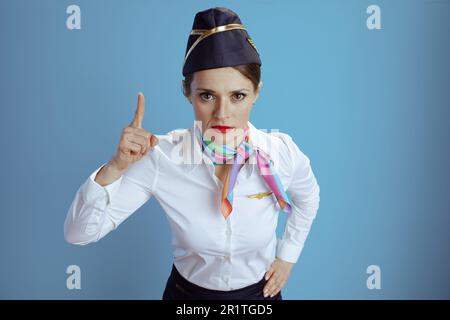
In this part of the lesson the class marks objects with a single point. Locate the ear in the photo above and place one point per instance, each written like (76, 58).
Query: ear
(184, 91)
(182, 87)
(258, 90)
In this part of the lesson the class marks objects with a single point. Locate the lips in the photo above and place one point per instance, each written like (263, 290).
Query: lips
(222, 129)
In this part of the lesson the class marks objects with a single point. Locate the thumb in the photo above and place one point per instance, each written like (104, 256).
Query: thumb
(153, 140)
(140, 110)
(269, 273)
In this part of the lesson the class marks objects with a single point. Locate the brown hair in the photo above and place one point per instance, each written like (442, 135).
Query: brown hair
(252, 71)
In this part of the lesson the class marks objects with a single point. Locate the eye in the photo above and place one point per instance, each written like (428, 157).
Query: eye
(206, 96)
(239, 96)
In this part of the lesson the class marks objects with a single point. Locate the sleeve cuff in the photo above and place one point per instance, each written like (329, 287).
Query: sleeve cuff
(288, 252)
(95, 192)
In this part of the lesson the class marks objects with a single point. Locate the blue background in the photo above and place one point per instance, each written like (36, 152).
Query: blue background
(370, 108)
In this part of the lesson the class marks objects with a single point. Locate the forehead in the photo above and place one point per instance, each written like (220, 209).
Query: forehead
(221, 79)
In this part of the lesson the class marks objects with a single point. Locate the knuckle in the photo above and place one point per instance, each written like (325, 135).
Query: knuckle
(123, 144)
(139, 135)
(142, 142)
(146, 135)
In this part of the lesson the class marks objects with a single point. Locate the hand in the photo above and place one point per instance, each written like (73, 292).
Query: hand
(135, 142)
(277, 275)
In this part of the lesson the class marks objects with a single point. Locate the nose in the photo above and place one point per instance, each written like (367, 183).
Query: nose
(222, 109)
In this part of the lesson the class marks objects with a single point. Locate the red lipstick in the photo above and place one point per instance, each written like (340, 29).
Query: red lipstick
(223, 129)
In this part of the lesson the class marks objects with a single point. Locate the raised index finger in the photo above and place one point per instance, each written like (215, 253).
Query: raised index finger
(140, 110)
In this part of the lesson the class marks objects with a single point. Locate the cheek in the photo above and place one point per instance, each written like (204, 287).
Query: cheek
(241, 112)
(202, 112)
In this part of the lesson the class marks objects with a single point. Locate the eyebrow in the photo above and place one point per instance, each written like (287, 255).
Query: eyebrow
(212, 91)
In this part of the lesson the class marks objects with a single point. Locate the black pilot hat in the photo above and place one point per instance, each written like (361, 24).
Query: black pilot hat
(218, 39)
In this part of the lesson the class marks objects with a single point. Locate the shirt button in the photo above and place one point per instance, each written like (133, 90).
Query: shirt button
(228, 232)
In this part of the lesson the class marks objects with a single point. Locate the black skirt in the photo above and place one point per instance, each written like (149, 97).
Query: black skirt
(179, 288)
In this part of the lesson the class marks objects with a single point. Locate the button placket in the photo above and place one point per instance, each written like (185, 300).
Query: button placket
(227, 257)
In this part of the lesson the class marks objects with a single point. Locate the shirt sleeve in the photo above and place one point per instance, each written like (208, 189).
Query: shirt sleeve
(303, 191)
(96, 210)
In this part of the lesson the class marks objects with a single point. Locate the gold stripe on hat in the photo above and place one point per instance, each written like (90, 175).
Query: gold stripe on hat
(207, 32)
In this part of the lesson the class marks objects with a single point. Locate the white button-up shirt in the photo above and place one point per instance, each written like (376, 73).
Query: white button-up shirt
(209, 250)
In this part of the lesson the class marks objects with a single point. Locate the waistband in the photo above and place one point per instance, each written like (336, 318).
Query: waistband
(190, 287)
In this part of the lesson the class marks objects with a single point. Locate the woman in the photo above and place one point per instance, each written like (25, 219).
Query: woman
(221, 182)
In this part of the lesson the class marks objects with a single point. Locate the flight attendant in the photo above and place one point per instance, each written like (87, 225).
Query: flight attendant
(222, 182)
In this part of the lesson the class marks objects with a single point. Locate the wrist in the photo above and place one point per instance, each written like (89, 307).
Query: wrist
(112, 166)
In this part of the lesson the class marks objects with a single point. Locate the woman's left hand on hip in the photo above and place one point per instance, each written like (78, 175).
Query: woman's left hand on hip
(277, 275)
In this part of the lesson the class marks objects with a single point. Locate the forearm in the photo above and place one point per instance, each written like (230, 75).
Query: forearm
(86, 219)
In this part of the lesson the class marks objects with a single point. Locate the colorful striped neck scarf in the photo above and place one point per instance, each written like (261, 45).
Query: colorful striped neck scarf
(221, 154)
